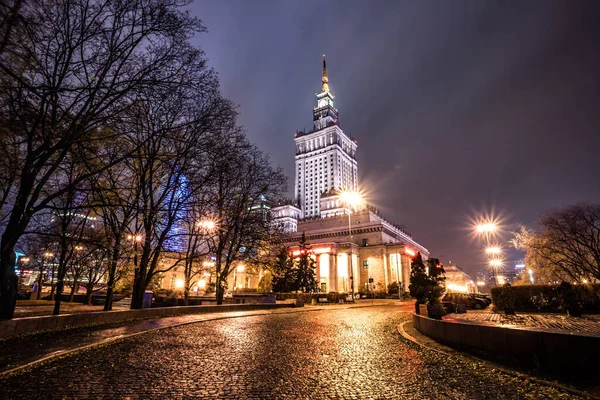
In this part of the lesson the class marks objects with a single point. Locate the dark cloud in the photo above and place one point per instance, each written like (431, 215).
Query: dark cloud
(459, 108)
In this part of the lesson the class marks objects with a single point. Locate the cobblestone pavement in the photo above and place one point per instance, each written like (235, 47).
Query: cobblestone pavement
(21, 350)
(341, 353)
(587, 324)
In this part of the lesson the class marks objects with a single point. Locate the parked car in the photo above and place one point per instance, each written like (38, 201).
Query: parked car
(470, 300)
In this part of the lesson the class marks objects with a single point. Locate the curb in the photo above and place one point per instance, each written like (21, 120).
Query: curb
(498, 367)
(64, 353)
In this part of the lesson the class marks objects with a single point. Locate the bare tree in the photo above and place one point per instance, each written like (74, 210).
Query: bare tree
(9, 17)
(244, 177)
(67, 69)
(175, 126)
(116, 203)
(567, 245)
(199, 228)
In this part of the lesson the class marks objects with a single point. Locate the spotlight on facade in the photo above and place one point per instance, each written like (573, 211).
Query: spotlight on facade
(409, 252)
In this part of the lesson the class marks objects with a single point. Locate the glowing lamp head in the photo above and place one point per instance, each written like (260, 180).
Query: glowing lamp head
(495, 263)
(493, 250)
(179, 283)
(241, 268)
(352, 199)
(486, 228)
(207, 224)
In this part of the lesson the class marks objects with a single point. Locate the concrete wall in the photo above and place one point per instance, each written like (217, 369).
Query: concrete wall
(19, 326)
(566, 354)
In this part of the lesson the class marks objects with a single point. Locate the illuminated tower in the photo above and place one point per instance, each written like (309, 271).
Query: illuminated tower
(325, 156)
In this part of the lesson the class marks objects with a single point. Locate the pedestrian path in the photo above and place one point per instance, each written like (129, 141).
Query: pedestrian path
(587, 324)
(21, 351)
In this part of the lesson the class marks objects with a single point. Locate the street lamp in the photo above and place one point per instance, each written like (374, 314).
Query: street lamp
(49, 255)
(492, 250)
(136, 238)
(495, 264)
(352, 200)
(207, 224)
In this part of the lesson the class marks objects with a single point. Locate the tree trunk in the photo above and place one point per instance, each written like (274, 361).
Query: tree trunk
(40, 281)
(219, 291)
(8, 283)
(59, 289)
(52, 285)
(72, 294)
(111, 278)
(109, 299)
(186, 287)
(139, 287)
(88, 293)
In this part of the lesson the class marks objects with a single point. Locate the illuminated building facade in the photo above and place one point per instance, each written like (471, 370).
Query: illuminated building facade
(325, 156)
(349, 251)
(458, 280)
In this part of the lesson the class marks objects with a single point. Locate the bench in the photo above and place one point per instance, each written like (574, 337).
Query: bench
(323, 300)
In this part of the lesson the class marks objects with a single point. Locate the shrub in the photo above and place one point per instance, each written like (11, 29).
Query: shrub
(546, 298)
(332, 297)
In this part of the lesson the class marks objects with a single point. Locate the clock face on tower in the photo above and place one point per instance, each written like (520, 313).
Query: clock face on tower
(322, 103)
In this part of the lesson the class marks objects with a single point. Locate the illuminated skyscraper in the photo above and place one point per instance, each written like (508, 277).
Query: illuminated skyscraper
(325, 156)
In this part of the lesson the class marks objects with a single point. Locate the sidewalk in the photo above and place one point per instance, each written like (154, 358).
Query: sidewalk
(584, 388)
(19, 351)
(37, 308)
(587, 324)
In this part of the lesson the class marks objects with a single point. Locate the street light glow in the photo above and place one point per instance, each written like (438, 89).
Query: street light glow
(207, 224)
(495, 263)
(352, 199)
(493, 250)
(486, 228)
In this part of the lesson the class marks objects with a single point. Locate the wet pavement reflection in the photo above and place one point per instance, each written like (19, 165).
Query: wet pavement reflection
(341, 353)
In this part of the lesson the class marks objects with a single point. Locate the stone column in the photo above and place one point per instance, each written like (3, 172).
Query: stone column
(332, 286)
(406, 260)
(385, 268)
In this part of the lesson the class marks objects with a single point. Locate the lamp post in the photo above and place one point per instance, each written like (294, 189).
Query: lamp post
(352, 200)
(488, 228)
(135, 239)
(49, 255)
(495, 264)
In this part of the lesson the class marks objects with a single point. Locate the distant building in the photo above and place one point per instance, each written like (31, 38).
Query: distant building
(458, 280)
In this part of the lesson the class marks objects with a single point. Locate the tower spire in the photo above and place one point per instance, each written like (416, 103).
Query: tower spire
(324, 80)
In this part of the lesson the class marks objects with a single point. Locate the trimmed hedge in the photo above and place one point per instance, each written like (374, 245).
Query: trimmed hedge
(332, 297)
(545, 298)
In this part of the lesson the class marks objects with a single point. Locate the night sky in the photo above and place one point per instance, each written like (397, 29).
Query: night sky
(460, 108)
